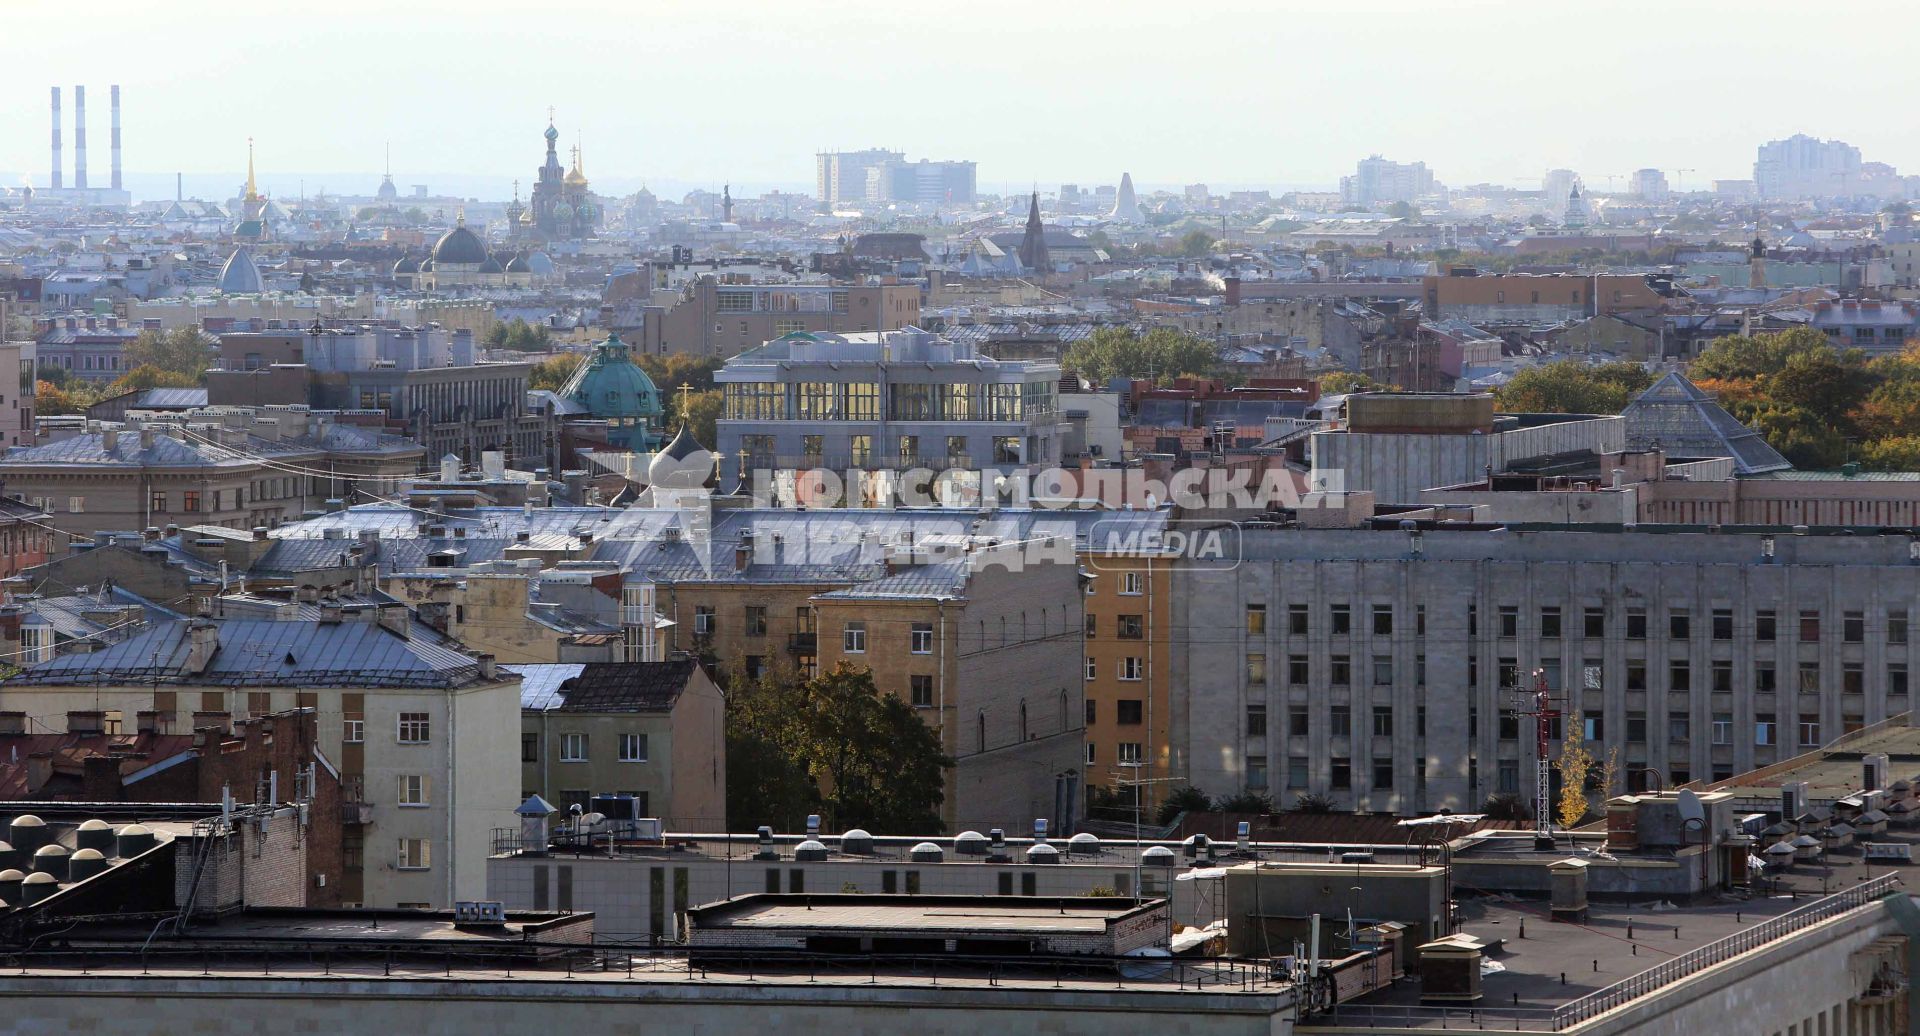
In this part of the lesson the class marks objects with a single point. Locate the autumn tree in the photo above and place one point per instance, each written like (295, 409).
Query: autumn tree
(517, 335)
(183, 350)
(673, 370)
(553, 372)
(700, 412)
(1162, 353)
(1574, 763)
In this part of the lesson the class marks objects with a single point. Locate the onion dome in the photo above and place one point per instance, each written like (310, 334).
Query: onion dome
(405, 266)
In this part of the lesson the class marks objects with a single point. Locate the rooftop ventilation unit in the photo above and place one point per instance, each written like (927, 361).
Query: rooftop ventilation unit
(479, 912)
(1793, 800)
(766, 850)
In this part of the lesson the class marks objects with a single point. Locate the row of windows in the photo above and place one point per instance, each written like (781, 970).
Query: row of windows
(862, 401)
(1131, 668)
(410, 728)
(1593, 725)
(573, 748)
(1552, 622)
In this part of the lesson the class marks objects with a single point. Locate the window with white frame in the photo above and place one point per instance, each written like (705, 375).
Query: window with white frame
(353, 731)
(413, 789)
(633, 748)
(1131, 584)
(76, 504)
(416, 854)
(703, 621)
(922, 638)
(1092, 669)
(414, 728)
(573, 748)
(854, 639)
(1127, 753)
(1132, 667)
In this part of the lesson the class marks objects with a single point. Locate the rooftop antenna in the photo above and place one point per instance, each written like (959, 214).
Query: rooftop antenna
(1544, 712)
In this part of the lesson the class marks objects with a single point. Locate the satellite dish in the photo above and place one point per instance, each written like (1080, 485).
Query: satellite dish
(1690, 808)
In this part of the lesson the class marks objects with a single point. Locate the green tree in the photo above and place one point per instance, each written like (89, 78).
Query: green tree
(1245, 802)
(183, 350)
(1194, 244)
(1741, 358)
(1185, 799)
(1798, 433)
(700, 412)
(1163, 353)
(1402, 210)
(517, 335)
(553, 372)
(1830, 385)
(866, 758)
(1311, 803)
(1571, 387)
(1893, 453)
(1340, 383)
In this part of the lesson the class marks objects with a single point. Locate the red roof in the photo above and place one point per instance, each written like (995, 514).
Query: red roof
(70, 752)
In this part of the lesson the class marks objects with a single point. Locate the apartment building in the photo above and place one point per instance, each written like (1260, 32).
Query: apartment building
(884, 402)
(723, 316)
(235, 469)
(422, 735)
(1526, 298)
(1383, 666)
(1128, 653)
(653, 730)
(987, 645)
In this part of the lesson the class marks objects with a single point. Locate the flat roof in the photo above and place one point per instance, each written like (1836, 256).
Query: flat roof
(999, 914)
(1834, 772)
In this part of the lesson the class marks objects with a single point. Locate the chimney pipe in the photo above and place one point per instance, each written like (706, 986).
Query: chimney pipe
(80, 137)
(57, 170)
(113, 93)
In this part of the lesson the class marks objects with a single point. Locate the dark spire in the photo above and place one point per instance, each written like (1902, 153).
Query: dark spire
(1033, 244)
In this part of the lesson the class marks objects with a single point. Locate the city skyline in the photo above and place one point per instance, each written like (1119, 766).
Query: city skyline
(688, 99)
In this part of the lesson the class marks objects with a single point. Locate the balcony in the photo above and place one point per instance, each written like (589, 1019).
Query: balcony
(356, 813)
(803, 643)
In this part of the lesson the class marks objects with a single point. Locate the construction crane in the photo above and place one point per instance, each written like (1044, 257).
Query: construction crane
(1680, 179)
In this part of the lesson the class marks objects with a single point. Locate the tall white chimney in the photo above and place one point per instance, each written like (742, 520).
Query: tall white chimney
(80, 137)
(58, 172)
(114, 95)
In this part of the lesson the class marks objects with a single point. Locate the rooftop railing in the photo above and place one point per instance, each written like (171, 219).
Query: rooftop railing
(1699, 959)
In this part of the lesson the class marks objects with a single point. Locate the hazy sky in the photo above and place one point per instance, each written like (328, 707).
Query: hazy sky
(1288, 92)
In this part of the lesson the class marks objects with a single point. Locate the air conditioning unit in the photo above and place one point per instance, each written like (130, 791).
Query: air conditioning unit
(488, 912)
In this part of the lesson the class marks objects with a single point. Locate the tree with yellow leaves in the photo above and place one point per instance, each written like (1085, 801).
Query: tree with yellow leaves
(1574, 763)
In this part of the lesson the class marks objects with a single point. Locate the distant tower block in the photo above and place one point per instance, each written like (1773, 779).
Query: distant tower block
(1126, 209)
(114, 95)
(58, 173)
(1757, 262)
(80, 137)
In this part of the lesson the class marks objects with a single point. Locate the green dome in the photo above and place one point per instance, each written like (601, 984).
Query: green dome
(611, 386)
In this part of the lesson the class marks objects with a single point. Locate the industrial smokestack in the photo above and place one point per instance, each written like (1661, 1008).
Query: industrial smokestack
(80, 137)
(58, 170)
(114, 97)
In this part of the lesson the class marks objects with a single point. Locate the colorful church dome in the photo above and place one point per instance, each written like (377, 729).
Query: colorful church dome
(613, 387)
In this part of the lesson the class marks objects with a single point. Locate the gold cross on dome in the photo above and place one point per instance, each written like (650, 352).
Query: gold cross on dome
(685, 389)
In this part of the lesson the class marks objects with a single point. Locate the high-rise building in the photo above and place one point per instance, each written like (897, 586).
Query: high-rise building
(1377, 181)
(841, 176)
(1649, 184)
(922, 182)
(1805, 167)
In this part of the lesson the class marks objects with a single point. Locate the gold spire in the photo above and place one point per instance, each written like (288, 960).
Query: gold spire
(253, 191)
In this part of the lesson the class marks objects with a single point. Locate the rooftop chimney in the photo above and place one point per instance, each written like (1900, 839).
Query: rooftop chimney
(203, 639)
(114, 142)
(80, 137)
(58, 172)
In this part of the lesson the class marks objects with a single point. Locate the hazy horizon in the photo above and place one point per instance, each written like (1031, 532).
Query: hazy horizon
(1238, 93)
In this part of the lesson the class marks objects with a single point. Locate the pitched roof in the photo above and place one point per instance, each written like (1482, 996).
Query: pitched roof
(604, 686)
(1675, 416)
